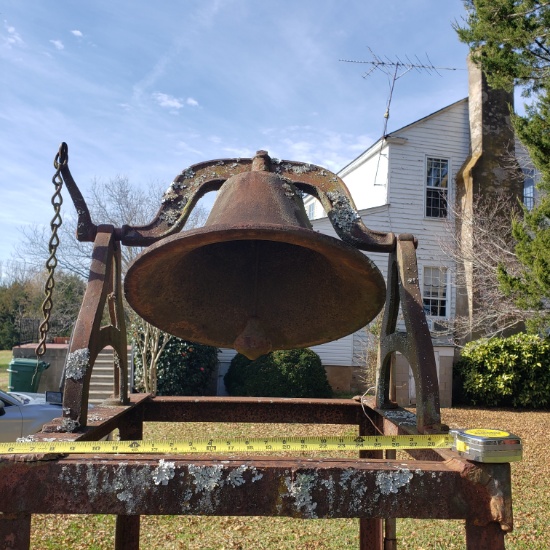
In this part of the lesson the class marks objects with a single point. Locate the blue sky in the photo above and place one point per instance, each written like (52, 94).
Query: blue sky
(145, 89)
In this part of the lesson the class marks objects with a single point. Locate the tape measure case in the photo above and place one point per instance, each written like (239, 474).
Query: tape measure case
(486, 445)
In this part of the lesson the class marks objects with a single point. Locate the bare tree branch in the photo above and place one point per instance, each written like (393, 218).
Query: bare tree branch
(489, 225)
(118, 203)
(115, 202)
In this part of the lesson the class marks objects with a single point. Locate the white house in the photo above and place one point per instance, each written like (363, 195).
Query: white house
(403, 183)
(407, 182)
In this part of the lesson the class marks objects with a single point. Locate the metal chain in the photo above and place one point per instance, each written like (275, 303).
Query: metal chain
(60, 160)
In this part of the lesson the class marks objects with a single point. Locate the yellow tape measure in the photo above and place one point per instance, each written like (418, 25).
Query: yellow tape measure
(232, 445)
(484, 445)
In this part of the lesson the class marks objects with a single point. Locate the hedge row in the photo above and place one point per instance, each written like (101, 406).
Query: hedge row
(284, 373)
(184, 368)
(506, 372)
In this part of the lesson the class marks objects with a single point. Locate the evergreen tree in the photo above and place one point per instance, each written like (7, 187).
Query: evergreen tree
(510, 40)
(14, 299)
(22, 300)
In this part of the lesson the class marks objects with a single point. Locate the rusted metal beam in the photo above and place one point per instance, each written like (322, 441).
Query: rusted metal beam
(494, 480)
(127, 530)
(240, 486)
(89, 338)
(371, 530)
(127, 533)
(484, 537)
(399, 421)
(487, 486)
(101, 421)
(15, 531)
(370, 488)
(484, 490)
(253, 409)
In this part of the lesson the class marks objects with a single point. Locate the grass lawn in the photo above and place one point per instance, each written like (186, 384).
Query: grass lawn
(5, 358)
(530, 491)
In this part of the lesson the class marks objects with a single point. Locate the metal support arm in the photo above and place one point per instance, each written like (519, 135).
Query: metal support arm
(89, 337)
(415, 344)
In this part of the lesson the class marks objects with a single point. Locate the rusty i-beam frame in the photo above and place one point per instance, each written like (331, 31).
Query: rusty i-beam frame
(436, 484)
(377, 489)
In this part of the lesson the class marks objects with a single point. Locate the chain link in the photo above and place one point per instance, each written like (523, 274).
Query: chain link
(60, 160)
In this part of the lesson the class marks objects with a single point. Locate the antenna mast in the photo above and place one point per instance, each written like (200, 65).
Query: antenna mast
(395, 69)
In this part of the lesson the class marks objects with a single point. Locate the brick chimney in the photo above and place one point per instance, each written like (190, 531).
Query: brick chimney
(490, 169)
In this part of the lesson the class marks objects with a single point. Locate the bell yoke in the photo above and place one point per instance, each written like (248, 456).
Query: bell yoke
(256, 277)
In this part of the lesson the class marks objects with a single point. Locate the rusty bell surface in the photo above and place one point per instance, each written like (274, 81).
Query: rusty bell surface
(256, 277)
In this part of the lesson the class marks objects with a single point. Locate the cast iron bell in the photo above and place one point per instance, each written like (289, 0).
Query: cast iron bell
(256, 277)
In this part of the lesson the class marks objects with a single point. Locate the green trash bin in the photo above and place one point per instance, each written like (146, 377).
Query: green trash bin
(22, 374)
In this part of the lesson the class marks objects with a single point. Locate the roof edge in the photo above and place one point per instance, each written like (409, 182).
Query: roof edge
(380, 142)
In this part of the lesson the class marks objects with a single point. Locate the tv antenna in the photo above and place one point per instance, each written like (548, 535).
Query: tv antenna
(395, 69)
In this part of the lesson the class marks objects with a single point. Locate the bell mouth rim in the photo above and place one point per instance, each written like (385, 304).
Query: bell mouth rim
(337, 252)
(211, 234)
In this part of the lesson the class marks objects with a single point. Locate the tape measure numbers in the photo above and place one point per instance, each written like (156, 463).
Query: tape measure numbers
(231, 445)
(480, 445)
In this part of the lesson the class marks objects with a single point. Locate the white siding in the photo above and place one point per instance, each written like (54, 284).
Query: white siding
(226, 354)
(367, 177)
(314, 209)
(337, 353)
(342, 349)
(443, 135)
(525, 163)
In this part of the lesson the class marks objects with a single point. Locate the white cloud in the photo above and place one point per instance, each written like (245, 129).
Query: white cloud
(13, 38)
(183, 146)
(208, 11)
(170, 102)
(58, 44)
(239, 152)
(204, 17)
(327, 148)
(150, 78)
(167, 101)
(77, 33)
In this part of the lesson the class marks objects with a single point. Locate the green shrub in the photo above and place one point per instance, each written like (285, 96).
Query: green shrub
(283, 373)
(184, 368)
(506, 372)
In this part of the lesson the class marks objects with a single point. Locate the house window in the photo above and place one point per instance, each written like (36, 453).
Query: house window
(437, 186)
(435, 291)
(311, 211)
(529, 188)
